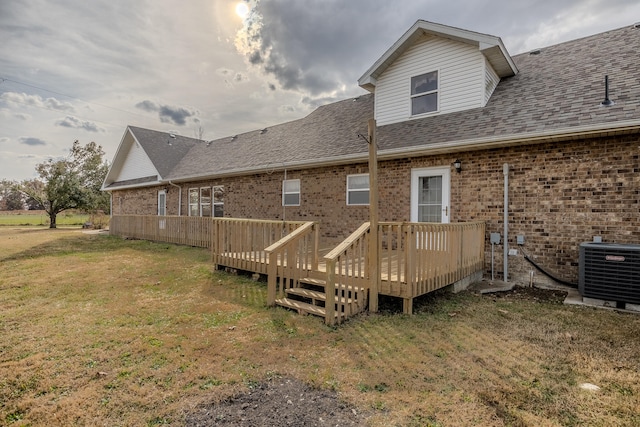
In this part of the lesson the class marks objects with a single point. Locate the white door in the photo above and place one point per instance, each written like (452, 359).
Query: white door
(162, 209)
(430, 195)
(162, 203)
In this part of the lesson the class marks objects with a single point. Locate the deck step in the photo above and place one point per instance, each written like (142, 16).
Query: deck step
(308, 293)
(302, 307)
(315, 295)
(312, 281)
(323, 283)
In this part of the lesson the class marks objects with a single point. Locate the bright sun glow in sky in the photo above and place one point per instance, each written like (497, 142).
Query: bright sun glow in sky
(242, 9)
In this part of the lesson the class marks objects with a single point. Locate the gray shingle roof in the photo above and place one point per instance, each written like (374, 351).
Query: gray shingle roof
(165, 150)
(327, 134)
(559, 89)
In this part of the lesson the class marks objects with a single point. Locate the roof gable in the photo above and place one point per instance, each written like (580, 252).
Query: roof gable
(145, 156)
(491, 46)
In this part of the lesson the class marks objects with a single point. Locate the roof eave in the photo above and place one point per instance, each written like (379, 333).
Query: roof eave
(315, 163)
(133, 186)
(489, 142)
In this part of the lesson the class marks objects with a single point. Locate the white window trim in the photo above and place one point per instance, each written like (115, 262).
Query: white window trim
(201, 204)
(445, 172)
(213, 201)
(189, 204)
(417, 95)
(359, 189)
(284, 193)
(164, 208)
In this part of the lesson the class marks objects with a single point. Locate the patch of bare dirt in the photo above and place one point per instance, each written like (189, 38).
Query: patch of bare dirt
(531, 293)
(279, 402)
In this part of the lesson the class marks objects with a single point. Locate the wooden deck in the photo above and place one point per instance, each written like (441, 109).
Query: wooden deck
(412, 258)
(392, 278)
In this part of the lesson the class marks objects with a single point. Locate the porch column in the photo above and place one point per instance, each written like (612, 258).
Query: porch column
(374, 261)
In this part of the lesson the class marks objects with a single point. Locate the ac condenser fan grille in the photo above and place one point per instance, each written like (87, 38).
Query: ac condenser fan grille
(610, 272)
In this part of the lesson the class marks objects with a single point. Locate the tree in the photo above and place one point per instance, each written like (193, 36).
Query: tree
(73, 182)
(11, 199)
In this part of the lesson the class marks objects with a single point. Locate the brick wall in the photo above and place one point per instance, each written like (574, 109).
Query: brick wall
(559, 196)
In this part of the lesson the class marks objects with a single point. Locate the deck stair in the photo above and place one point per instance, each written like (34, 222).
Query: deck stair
(310, 298)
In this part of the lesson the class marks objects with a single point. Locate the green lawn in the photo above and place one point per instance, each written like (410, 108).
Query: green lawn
(97, 330)
(40, 218)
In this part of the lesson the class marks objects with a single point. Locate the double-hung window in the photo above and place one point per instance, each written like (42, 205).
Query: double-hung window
(358, 189)
(291, 192)
(424, 93)
(205, 201)
(194, 202)
(218, 201)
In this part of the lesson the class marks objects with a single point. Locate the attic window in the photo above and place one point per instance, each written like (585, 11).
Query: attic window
(424, 93)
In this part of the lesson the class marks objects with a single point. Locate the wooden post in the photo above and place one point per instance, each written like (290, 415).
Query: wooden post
(374, 258)
(330, 294)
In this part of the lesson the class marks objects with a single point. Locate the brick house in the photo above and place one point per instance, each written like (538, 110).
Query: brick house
(535, 123)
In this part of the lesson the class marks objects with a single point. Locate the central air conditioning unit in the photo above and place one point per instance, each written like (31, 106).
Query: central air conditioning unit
(611, 272)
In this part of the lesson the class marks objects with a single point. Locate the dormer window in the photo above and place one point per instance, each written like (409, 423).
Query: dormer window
(424, 93)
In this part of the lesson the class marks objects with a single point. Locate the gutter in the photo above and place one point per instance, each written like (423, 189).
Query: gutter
(487, 142)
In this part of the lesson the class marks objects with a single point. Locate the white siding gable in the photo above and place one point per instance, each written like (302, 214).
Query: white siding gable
(136, 164)
(462, 75)
(491, 80)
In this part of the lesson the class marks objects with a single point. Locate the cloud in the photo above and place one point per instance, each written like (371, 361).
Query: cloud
(32, 141)
(22, 116)
(317, 53)
(37, 101)
(76, 123)
(286, 109)
(169, 113)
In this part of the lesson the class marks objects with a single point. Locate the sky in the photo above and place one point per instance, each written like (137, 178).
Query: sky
(85, 70)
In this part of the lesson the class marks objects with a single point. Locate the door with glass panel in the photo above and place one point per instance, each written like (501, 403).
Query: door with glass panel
(162, 208)
(430, 195)
(430, 203)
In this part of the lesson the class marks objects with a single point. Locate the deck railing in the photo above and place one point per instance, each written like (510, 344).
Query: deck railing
(418, 258)
(241, 243)
(182, 230)
(290, 259)
(347, 270)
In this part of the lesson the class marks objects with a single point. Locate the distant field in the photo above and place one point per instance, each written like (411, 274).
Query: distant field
(40, 218)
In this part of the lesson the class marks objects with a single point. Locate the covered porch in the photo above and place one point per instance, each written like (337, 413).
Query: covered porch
(407, 260)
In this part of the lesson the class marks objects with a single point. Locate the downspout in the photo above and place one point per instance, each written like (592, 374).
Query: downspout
(505, 171)
(179, 197)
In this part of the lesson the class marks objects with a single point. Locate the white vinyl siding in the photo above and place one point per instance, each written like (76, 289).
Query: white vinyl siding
(491, 80)
(136, 164)
(460, 79)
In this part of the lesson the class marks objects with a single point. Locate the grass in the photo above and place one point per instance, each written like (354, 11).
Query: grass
(96, 330)
(40, 218)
